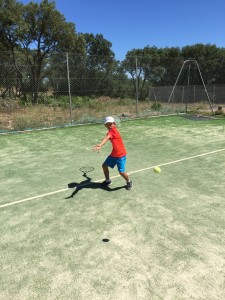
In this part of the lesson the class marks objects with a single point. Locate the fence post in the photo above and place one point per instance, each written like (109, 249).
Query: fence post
(194, 94)
(213, 97)
(68, 77)
(136, 88)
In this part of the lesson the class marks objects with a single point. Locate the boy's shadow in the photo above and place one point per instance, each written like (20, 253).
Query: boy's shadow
(88, 184)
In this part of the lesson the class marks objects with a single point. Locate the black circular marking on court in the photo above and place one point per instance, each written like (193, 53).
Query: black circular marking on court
(105, 240)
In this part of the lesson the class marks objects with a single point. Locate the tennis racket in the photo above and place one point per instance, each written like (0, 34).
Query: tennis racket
(117, 119)
(86, 170)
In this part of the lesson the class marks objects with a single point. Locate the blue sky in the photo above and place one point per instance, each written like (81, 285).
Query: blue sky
(130, 24)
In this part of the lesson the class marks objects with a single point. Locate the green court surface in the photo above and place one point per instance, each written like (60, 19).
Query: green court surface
(164, 239)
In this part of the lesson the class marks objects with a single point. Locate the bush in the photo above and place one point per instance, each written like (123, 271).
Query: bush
(219, 111)
(156, 106)
(24, 122)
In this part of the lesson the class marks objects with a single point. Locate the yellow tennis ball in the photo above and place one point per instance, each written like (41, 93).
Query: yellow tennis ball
(157, 170)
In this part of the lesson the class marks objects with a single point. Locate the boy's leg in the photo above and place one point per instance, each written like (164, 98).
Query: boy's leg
(129, 185)
(121, 163)
(125, 176)
(109, 162)
(107, 181)
(105, 171)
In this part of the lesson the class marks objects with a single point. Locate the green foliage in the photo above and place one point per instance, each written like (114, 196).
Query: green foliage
(10, 22)
(26, 102)
(79, 102)
(219, 111)
(156, 106)
(32, 33)
(25, 122)
(39, 25)
(210, 58)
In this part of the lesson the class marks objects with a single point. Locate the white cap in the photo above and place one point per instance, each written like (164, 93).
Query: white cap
(109, 120)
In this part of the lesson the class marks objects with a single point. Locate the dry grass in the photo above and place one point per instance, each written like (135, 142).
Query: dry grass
(19, 118)
(16, 117)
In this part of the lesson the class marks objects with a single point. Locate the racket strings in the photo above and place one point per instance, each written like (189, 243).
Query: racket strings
(117, 119)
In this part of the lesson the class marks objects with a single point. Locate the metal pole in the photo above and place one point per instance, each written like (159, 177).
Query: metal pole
(176, 81)
(189, 71)
(194, 93)
(192, 60)
(213, 94)
(182, 94)
(68, 76)
(136, 88)
(204, 87)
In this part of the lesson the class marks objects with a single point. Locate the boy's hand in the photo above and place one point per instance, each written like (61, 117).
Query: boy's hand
(97, 147)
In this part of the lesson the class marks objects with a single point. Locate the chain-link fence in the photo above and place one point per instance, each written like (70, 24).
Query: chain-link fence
(65, 89)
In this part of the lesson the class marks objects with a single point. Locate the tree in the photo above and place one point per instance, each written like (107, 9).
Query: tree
(99, 62)
(37, 30)
(10, 14)
(143, 65)
(10, 19)
(210, 59)
(91, 73)
(170, 62)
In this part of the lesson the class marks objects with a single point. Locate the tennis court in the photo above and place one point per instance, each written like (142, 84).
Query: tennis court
(164, 239)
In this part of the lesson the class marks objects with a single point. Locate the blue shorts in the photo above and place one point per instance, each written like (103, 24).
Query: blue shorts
(120, 162)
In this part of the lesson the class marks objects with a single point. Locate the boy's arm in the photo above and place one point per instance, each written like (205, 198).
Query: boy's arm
(99, 146)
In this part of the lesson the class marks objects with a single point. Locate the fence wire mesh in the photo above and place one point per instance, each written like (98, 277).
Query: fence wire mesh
(65, 89)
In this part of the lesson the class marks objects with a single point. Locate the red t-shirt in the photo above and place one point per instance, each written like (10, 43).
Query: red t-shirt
(119, 149)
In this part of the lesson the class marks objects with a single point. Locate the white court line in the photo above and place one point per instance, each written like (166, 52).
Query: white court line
(132, 172)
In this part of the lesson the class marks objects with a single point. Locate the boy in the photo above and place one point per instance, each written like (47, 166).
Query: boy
(118, 154)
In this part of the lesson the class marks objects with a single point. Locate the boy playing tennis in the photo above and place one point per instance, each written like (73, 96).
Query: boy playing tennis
(117, 156)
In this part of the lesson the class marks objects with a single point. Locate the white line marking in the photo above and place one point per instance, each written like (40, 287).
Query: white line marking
(179, 160)
(32, 198)
(132, 172)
